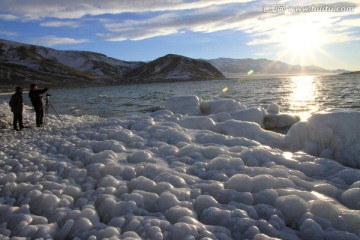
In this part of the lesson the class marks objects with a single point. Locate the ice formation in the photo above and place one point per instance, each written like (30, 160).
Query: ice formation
(209, 172)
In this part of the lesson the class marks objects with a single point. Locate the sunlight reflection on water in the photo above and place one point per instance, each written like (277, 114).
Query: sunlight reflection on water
(303, 96)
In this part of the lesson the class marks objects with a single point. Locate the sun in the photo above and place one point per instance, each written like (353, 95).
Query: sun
(302, 39)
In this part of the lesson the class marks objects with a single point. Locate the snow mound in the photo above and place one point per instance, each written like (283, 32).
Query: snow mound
(332, 135)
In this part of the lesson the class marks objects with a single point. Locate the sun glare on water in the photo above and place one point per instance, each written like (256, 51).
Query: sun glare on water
(303, 97)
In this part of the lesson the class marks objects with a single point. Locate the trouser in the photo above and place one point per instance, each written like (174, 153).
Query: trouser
(18, 118)
(39, 116)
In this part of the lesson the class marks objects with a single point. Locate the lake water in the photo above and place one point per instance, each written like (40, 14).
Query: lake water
(302, 95)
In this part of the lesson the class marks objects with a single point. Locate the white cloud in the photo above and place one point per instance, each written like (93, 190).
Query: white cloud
(38, 9)
(72, 24)
(213, 19)
(9, 17)
(10, 34)
(52, 40)
(354, 22)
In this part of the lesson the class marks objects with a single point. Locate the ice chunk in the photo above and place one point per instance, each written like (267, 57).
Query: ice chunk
(183, 231)
(333, 134)
(262, 182)
(141, 183)
(166, 201)
(220, 117)
(184, 105)
(154, 232)
(311, 230)
(140, 156)
(125, 136)
(109, 232)
(201, 122)
(249, 115)
(203, 202)
(249, 130)
(45, 203)
(170, 135)
(351, 197)
(267, 196)
(282, 120)
(81, 225)
(239, 182)
(220, 105)
(293, 208)
(65, 229)
(273, 108)
(220, 163)
(216, 216)
(324, 209)
(173, 214)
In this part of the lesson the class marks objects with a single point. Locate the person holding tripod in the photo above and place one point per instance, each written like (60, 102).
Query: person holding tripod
(37, 101)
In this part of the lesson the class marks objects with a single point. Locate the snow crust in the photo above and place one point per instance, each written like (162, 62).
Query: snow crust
(196, 175)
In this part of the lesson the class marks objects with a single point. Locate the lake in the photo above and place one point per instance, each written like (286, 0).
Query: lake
(301, 95)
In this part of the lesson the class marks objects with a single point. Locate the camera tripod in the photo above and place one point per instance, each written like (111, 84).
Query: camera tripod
(47, 104)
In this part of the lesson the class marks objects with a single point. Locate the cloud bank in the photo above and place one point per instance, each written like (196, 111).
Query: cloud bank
(265, 22)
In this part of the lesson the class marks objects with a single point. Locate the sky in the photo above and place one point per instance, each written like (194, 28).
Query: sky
(303, 32)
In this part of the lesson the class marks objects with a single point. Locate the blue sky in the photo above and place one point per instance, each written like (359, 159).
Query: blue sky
(304, 32)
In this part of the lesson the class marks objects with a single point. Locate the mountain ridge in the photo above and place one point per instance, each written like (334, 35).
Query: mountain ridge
(25, 63)
(231, 67)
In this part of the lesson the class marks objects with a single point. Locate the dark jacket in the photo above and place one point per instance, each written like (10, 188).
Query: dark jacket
(16, 103)
(37, 98)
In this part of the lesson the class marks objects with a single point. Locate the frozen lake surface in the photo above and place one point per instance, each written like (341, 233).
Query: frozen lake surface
(134, 162)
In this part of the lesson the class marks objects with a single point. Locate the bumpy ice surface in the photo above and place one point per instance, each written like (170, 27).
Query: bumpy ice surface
(209, 172)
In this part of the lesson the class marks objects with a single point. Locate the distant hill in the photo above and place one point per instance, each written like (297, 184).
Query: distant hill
(175, 67)
(239, 67)
(351, 73)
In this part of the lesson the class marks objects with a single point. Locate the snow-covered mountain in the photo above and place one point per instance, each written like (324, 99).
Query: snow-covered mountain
(175, 67)
(22, 62)
(239, 67)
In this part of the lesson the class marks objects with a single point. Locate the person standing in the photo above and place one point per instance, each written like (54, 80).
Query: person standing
(17, 106)
(37, 101)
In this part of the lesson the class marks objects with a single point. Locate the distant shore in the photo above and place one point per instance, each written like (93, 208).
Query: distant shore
(351, 73)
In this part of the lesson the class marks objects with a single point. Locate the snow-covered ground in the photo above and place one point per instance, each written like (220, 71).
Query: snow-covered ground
(182, 174)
